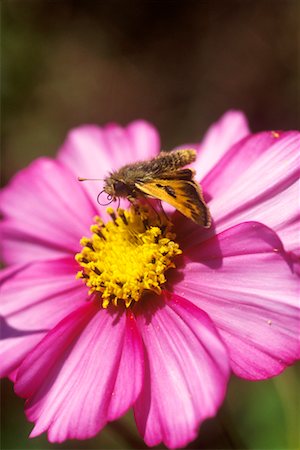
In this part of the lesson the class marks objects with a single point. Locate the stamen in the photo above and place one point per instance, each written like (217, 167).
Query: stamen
(128, 256)
(122, 215)
(112, 214)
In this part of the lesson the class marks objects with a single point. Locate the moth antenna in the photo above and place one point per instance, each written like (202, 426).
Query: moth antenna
(89, 179)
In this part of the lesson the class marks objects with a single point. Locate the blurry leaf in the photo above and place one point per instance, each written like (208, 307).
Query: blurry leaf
(265, 414)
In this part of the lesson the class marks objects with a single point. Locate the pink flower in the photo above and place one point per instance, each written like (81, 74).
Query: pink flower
(231, 303)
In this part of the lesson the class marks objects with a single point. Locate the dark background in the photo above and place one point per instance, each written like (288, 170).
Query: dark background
(181, 65)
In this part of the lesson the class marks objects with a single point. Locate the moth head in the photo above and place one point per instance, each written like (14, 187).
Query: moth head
(108, 188)
(115, 187)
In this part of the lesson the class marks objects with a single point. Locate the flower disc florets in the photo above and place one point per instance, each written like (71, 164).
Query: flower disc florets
(128, 255)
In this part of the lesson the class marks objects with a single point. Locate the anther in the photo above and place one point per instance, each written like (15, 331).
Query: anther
(99, 221)
(100, 234)
(112, 215)
(122, 215)
(129, 259)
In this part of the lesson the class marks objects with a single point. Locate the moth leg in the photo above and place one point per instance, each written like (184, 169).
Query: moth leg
(163, 211)
(134, 203)
(153, 209)
(132, 200)
(148, 201)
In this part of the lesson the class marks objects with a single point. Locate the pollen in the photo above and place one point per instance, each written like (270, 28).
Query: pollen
(127, 256)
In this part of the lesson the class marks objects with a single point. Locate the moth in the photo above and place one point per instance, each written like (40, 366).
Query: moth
(162, 178)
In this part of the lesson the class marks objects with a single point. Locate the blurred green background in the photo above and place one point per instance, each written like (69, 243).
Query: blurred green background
(179, 64)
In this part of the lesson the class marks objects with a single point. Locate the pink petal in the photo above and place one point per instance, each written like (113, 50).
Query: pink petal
(257, 179)
(45, 211)
(34, 298)
(13, 375)
(242, 279)
(81, 374)
(92, 152)
(235, 162)
(14, 349)
(228, 130)
(185, 375)
(131, 366)
(265, 187)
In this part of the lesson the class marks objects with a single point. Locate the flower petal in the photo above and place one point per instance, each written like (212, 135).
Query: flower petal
(45, 211)
(242, 280)
(237, 159)
(93, 152)
(258, 180)
(14, 349)
(34, 298)
(185, 375)
(74, 378)
(228, 130)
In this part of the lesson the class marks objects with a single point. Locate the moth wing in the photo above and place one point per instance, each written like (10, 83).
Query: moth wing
(185, 195)
(181, 174)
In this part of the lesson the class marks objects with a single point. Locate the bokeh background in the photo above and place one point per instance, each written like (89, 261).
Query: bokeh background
(181, 65)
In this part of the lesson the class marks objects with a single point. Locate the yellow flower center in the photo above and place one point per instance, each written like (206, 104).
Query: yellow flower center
(127, 256)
